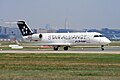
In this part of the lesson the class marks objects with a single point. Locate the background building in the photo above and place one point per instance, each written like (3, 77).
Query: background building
(14, 33)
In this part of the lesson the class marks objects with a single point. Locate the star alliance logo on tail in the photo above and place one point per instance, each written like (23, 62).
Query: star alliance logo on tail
(25, 30)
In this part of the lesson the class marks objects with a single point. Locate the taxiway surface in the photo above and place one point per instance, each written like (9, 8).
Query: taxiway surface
(108, 50)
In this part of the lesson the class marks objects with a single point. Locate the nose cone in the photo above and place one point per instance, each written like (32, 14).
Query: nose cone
(105, 41)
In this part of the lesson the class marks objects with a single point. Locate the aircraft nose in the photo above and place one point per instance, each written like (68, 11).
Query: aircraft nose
(108, 41)
(105, 41)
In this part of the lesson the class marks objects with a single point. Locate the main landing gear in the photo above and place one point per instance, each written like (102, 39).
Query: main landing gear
(56, 48)
(66, 48)
(102, 47)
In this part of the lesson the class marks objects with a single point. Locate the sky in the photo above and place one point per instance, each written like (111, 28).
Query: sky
(79, 14)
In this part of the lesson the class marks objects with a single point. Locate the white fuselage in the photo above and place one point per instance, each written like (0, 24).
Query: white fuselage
(67, 39)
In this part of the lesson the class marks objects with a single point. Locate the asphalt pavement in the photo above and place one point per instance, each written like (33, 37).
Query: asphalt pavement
(108, 50)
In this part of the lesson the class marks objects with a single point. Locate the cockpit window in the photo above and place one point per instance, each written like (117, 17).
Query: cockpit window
(101, 35)
(98, 36)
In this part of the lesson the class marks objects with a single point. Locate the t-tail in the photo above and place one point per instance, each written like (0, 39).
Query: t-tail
(25, 30)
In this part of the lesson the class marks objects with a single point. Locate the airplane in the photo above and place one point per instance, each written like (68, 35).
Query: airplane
(65, 40)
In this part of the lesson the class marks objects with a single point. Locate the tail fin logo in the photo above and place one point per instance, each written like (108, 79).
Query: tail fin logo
(25, 30)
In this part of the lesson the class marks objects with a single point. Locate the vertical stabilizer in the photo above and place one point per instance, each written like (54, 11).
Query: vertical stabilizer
(25, 30)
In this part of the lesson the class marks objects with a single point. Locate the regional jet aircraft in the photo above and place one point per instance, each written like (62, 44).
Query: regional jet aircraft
(62, 39)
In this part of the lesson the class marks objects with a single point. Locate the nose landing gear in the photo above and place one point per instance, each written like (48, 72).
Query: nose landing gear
(102, 47)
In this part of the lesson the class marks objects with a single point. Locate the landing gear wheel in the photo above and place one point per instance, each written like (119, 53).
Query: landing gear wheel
(55, 48)
(102, 47)
(66, 48)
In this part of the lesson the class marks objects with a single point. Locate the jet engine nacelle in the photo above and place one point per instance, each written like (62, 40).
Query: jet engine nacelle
(37, 36)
